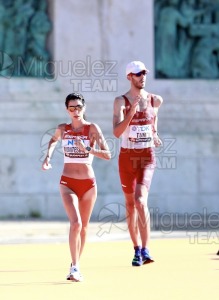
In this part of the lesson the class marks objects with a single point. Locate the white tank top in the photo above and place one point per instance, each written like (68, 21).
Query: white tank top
(72, 154)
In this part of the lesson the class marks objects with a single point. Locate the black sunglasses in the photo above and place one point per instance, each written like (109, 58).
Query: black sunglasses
(140, 73)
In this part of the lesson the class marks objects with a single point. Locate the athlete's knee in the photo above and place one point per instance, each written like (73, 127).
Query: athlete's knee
(141, 201)
(84, 230)
(130, 206)
(76, 226)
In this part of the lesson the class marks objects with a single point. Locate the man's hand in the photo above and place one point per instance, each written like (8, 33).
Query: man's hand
(135, 104)
(157, 141)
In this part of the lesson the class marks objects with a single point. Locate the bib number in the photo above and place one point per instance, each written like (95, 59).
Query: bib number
(72, 151)
(140, 133)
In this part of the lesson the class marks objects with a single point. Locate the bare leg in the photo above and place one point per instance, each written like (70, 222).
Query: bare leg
(141, 197)
(70, 202)
(86, 205)
(132, 218)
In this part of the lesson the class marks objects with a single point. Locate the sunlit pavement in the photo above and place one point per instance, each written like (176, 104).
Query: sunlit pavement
(26, 232)
(34, 262)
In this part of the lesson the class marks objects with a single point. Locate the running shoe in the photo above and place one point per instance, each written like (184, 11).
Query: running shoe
(146, 258)
(74, 274)
(137, 260)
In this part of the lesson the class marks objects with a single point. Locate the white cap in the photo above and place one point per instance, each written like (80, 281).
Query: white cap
(135, 67)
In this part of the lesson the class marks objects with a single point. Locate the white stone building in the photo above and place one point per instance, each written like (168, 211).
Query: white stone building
(91, 43)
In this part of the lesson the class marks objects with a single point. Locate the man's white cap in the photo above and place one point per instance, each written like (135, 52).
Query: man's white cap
(135, 67)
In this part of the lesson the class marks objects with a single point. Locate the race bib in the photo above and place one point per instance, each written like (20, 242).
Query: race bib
(140, 133)
(72, 151)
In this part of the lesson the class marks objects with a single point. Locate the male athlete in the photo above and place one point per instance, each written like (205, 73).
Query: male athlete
(135, 121)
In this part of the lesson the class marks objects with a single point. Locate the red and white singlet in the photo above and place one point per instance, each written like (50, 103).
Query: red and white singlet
(72, 154)
(140, 132)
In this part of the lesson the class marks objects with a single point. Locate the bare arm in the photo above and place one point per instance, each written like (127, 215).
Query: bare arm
(96, 137)
(51, 147)
(158, 100)
(120, 122)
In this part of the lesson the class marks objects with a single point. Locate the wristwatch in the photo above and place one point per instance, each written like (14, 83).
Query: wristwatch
(88, 148)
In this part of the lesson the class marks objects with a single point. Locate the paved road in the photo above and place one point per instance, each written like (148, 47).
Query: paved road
(23, 232)
(182, 271)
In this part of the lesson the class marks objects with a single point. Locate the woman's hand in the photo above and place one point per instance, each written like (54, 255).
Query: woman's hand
(79, 143)
(46, 165)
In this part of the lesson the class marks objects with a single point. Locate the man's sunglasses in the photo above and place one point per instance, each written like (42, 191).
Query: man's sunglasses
(144, 72)
(76, 107)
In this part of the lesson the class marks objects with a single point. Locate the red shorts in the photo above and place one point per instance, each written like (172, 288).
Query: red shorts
(78, 186)
(136, 166)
